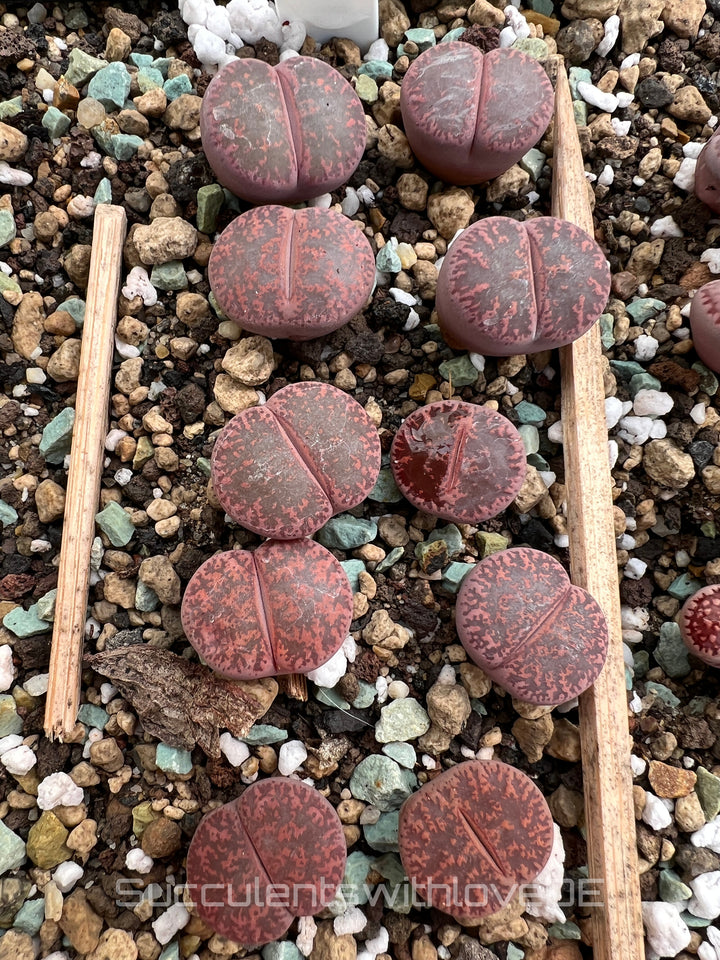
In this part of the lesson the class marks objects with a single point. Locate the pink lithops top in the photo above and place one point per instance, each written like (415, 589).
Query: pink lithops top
(700, 624)
(529, 628)
(284, 468)
(291, 273)
(471, 836)
(286, 608)
(281, 134)
(458, 461)
(707, 173)
(470, 116)
(276, 853)
(705, 323)
(507, 288)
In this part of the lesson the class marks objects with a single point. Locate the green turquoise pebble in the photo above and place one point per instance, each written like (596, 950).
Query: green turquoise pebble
(644, 308)
(422, 36)
(30, 917)
(366, 695)
(25, 623)
(453, 34)
(169, 276)
(390, 560)
(580, 112)
(57, 436)
(173, 759)
(530, 413)
(532, 47)
(263, 734)
(626, 369)
(671, 653)
(82, 66)
(177, 86)
(8, 514)
(671, 888)
(149, 78)
(452, 537)
(10, 722)
(146, 600)
(707, 788)
(12, 848)
(46, 605)
(162, 64)
(111, 86)
(7, 284)
(628, 678)
(124, 146)
(708, 380)
(281, 949)
(684, 586)
(530, 437)
(538, 461)
(141, 59)
(565, 931)
(171, 952)
(533, 162)
(75, 17)
(346, 532)
(696, 707)
(367, 89)
(103, 137)
(103, 193)
(210, 199)
(607, 326)
(331, 698)
(547, 8)
(10, 108)
(454, 574)
(387, 260)
(641, 663)
(401, 720)
(115, 524)
(514, 953)
(459, 371)
(353, 569)
(354, 885)
(401, 752)
(697, 923)
(8, 230)
(385, 489)
(203, 465)
(578, 75)
(383, 835)
(377, 70)
(55, 122)
(93, 716)
(662, 692)
(643, 381)
(382, 782)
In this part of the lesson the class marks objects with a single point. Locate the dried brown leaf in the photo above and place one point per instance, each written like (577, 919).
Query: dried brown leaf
(184, 703)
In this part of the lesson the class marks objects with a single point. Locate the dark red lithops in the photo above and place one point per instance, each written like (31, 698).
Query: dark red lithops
(276, 853)
(291, 273)
(707, 173)
(281, 134)
(284, 608)
(458, 461)
(529, 628)
(472, 835)
(507, 288)
(284, 468)
(700, 624)
(470, 116)
(705, 324)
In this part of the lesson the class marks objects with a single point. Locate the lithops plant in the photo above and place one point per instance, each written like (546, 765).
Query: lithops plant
(284, 608)
(707, 173)
(471, 836)
(700, 624)
(281, 134)
(458, 461)
(507, 288)
(255, 864)
(705, 323)
(284, 468)
(291, 273)
(469, 116)
(533, 632)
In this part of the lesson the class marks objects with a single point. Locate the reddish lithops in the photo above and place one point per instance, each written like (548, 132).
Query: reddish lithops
(705, 324)
(707, 173)
(276, 853)
(291, 273)
(281, 134)
(533, 632)
(285, 608)
(470, 116)
(458, 461)
(284, 468)
(471, 836)
(507, 288)
(700, 624)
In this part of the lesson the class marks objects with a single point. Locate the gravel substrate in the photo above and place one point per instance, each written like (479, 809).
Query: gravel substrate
(95, 832)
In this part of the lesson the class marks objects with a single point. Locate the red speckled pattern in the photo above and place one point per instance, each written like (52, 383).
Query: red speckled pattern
(529, 628)
(700, 624)
(291, 273)
(278, 832)
(473, 833)
(458, 461)
(707, 173)
(705, 324)
(284, 468)
(507, 288)
(469, 116)
(286, 608)
(281, 134)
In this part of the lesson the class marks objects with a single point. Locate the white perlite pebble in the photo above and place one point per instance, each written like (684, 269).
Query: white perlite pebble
(14, 178)
(667, 933)
(447, 675)
(107, 692)
(376, 945)
(645, 347)
(665, 227)
(712, 258)
(218, 22)
(9, 742)
(379, 50)
(307, 928)
(698, 414)
(607, 176)
(291, 755)
(137, 860)
(36, 686)
(293, 36)
(612, 29)
(138, 285)
(547, 887)
(168, 923)
(621, 127)
(692, 149)
(194, 11)
(635, 429)
(614, 409)
(7, 670)
(706, 900)
(59, 790)
(402, 296)
(652, 403)
(349, 648)
(19, 761)
(637, 765)
(67, 875)
(329, 673)
(708, 836)
(635, 568)
(351, 203)
(381, 685)
(656, 814)
(597, 98)
(351, 922)
(685, 177)
(555, 432)
(235, 750)
(624, 99)
(209, 48)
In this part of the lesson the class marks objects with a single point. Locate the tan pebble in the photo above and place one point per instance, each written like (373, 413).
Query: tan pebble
(671, 782)
(167, 528)
(13, 143)
(161, 509)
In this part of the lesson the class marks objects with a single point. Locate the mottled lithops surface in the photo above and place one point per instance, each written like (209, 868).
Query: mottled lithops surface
(284, 468)
(284, 608)
(707, 173)
(469, 116)
(507, 288)
(291, 273)
(471, 835)
(280, 841)
(529, 628)
(281, 134)
(458, 461)
(705, 323)
(700, 624)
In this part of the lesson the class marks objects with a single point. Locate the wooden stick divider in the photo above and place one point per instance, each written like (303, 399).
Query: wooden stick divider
(604, 733)
(86, 463)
